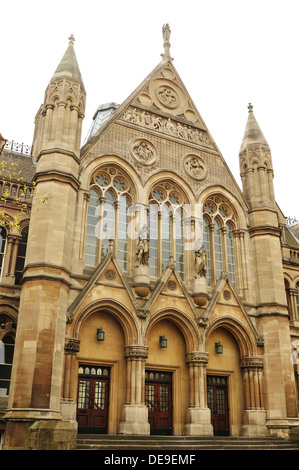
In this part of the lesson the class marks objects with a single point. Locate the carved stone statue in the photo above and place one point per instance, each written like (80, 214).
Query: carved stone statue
(200, 262)
(142, 253)
(166, 36)
(166, 32)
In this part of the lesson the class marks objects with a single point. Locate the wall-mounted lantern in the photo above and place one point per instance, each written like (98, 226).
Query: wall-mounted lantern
(163, 342)
(100, 334)
(219, 348)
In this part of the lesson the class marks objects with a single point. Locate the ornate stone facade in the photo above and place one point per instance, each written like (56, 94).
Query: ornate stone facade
(153, 285)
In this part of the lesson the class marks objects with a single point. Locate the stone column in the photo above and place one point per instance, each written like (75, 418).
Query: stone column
(198, 417)
(254, 416)
(68, 405)
(135, 412)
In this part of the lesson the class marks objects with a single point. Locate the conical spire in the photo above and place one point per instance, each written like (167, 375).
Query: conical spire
(68, 67)
(253, 134)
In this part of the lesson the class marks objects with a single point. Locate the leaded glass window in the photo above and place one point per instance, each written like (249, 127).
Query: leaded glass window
(230, 253)
(2, 247)
(166, 228)
(20, 263)
(206, 243)
(218, 232)
(6, 359)
(108, 216)
(218, 249)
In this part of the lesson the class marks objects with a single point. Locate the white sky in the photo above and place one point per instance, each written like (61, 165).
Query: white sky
(227, 52)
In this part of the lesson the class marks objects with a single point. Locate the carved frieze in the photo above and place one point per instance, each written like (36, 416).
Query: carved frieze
(167, 126)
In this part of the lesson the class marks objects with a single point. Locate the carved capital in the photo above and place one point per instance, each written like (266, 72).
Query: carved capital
(136, 352)
(251, 363)
(72, 346)
(197, 358)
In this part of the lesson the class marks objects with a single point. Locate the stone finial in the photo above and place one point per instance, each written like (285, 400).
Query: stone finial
(71, 39)
(250, 108)
(166, 36)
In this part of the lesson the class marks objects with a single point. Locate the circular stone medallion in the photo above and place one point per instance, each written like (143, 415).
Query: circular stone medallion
(195, 167)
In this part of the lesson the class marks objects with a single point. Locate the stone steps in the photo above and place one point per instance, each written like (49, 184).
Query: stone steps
(121, 443)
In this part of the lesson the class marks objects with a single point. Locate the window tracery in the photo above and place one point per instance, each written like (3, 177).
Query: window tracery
(218, 238)
(107, 216)
(166, 228)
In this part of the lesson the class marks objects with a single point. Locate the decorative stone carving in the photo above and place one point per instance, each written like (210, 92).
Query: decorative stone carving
(166, 126)
(226, 294)
(195, 167)
(72, 346)
(200, 262)
(197, 357)
(144, 152)
(138, 352)
(141, 312)
(110, 275)
(172, 285)
(142, 253)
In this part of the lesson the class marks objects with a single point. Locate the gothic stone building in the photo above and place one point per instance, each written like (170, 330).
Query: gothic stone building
(149, 294)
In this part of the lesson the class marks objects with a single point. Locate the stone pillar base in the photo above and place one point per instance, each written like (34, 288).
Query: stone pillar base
(198, 422)
(52, 435)
(134, 420)
(41, 435)
(254, 423)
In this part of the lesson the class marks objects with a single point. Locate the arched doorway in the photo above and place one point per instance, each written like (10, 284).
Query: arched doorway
(101, 383)
(167, 378)
(225, 396)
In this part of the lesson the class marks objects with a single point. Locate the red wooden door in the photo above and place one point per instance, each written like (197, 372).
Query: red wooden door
(158, 399)
(218, 404)
(93, 394)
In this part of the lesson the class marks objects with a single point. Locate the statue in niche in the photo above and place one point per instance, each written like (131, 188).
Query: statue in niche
(200, 262)
(142, 253)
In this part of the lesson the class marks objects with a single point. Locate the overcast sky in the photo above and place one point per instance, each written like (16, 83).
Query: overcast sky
(228, 53)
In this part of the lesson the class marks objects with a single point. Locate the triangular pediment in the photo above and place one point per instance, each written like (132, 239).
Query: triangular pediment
(107, 273)
(162, 105)
(170, 283)
(226, 294)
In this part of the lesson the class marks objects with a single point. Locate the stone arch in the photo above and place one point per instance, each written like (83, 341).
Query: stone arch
(116, 310)
(182, 322)
(245, 340)
(89, 168)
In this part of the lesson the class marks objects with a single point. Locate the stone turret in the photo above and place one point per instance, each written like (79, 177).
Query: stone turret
(58, 123)
(256, 166)
(35, 403)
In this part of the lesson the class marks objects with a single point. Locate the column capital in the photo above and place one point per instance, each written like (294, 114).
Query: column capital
(197, 357)
(72, 346)
(136, 352)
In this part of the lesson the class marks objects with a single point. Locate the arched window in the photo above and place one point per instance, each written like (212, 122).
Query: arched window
(6, 357)
(218, 232)
(166, 228)
(153, 235)
(206, 243)
(2, 247)
(20, 263)
(108, 217)
(218, 248)
(297, 299)
(230, 252)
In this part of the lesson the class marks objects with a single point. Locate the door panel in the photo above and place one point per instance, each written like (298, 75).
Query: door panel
(158, 399)
(93, 393)
(218, 404)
